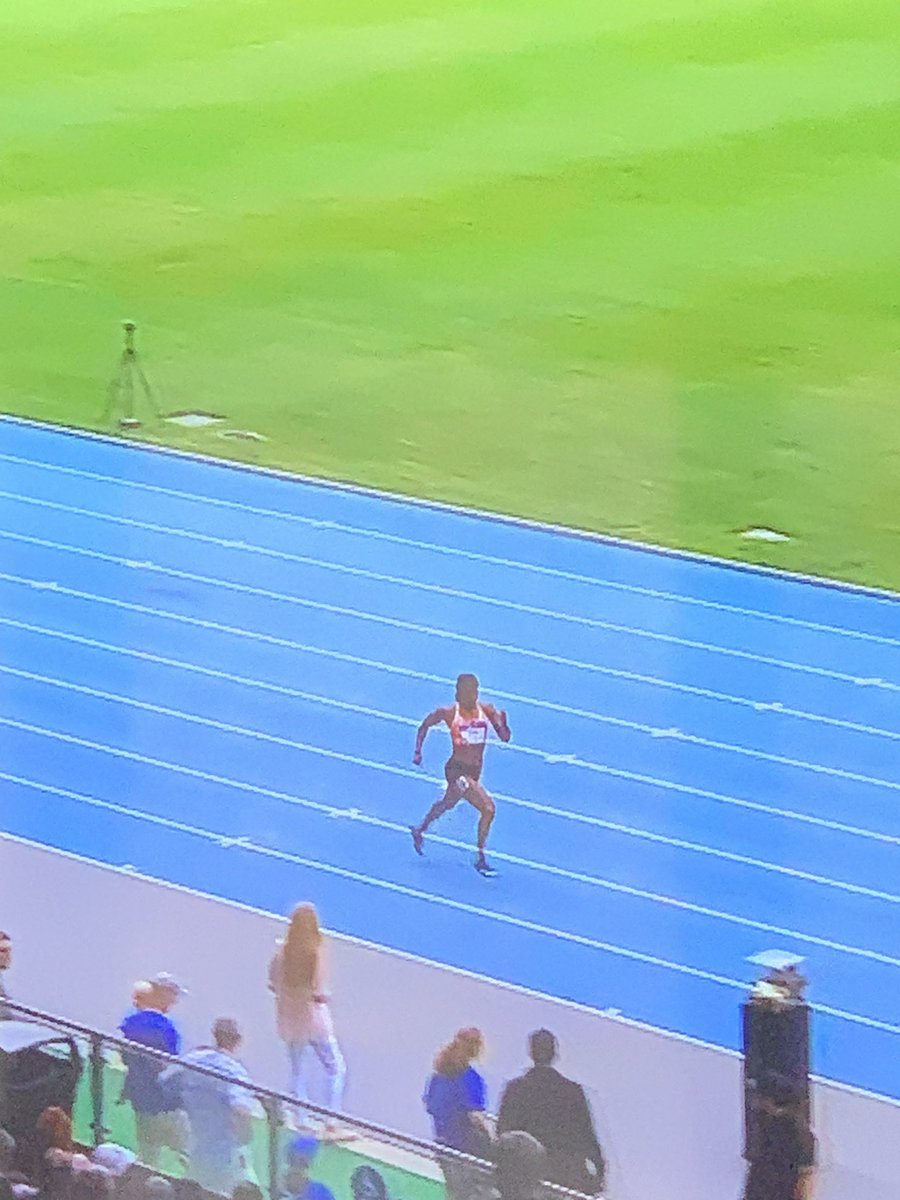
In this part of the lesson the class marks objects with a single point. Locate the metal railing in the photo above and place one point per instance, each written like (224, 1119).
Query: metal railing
(103, 1056)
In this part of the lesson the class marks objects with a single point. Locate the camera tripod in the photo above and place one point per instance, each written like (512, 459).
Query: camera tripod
(121, 394)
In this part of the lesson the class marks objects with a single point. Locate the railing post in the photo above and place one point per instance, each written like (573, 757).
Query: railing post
(97, 1088)
(273, 1123)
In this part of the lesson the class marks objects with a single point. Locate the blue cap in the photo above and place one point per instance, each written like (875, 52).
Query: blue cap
(304, 1146)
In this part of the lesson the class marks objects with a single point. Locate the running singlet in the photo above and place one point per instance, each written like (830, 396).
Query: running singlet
(469, 731)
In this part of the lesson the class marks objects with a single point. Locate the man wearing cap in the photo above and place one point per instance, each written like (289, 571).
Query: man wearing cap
(554, 1110)
(299, 1156)
(220, 1111)
(158, 1116)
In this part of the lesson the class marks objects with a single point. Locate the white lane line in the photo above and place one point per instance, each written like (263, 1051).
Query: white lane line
(599, 882)
(604, 718)
(552, 759)
(408, 773)
(612, 672)
(429, 897)
(458, 552)
(468, 596)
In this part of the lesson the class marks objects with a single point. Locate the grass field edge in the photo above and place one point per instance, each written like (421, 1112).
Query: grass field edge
(497, 518)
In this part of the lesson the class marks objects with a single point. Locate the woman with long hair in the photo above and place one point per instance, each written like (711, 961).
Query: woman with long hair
(456, 1100)
(298, 978)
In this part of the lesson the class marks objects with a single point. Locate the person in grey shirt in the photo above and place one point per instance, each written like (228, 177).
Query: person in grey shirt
(220, 1112)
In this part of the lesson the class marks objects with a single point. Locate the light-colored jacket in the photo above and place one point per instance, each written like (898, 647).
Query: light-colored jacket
(300, 1016)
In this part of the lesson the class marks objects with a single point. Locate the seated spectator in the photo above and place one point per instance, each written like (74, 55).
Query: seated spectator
(300, 1154)
(114, 1159)
(554, 1110)
(56, 1149)
(7, 1152)
(20, 1184)
(246, 1190)
(159, 1120)
(157, 1187)
(785, 1150)
(521, 1166)
(368, 1184)
(456, 1099)
(220, 1114)
(93, 1183)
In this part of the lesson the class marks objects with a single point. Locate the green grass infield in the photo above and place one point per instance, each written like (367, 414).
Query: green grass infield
(630, 266)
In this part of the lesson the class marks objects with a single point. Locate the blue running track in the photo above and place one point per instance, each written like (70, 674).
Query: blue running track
(215, 675)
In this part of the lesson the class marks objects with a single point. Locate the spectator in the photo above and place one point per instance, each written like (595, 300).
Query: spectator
(220, 1114)
(54, 1140)
(20, 1184)
(299, 979)
(93, 1183)
(456, 1099)
(301, 1152)
(5, 963)
(521, 1166)
(368, 1184)
(785, 1149)
(159, 1120)
(114, 1159)
(247, 1190)
(554, 1110)
(158, 1188)
(7, 1152)
(142, 995)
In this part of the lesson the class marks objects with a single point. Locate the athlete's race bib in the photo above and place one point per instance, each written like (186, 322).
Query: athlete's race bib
(474, 734)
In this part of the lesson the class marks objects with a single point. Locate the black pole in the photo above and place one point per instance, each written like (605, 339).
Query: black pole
(273, 1123)
(97, 1088)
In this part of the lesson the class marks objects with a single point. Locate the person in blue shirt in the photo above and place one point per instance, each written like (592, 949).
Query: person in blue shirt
(159, 1119)
(220, 1113)
(456, 1100)
(297, 1185)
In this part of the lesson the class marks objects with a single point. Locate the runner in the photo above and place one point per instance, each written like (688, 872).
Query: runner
(468, 723)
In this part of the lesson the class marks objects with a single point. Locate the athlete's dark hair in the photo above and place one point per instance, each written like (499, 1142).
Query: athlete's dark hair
(463, 681)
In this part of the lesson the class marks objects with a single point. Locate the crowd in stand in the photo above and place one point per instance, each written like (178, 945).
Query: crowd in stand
(543, 1132)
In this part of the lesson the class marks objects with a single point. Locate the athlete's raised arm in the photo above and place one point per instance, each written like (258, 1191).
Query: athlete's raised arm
(497, 718)
(434, 718)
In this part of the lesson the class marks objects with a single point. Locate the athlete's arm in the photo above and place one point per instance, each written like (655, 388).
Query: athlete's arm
(497, 718)
(434, 718)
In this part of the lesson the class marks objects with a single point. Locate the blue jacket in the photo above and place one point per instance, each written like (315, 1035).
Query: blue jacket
(153, 1029)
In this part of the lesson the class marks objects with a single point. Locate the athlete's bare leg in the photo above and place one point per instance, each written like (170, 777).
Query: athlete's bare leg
(450, 799)
(482, 801)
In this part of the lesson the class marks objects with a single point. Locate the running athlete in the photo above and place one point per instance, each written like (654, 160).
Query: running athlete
(468, 723)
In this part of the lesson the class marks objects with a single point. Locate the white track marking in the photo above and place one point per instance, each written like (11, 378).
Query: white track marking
(607, 719)
(560, 872)
(457, 552)
(470, 597)
(408, 773)
(417, 894)
(551, 759)
(612, 672)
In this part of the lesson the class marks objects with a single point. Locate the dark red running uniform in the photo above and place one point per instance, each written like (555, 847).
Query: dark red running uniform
(469, 723)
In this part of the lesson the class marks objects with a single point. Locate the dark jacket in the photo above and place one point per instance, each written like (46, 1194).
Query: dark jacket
(555, 1110)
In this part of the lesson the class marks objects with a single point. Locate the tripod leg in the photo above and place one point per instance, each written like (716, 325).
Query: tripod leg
(148, 391)
(114, 391)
